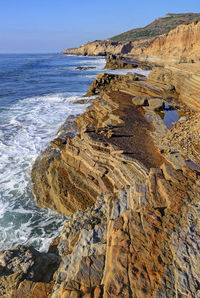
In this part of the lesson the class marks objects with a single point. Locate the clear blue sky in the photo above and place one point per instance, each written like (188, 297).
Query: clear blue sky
(53, 25)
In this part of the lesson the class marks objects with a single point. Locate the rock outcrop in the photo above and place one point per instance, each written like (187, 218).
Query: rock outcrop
(185, 77)
(138, 185)
(104, 155)
(135, 243)
(119, 62)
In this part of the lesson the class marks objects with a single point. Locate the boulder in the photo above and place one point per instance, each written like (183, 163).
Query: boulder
(155, 104)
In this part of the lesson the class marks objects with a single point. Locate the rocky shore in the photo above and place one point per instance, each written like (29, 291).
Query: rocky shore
(127, 173)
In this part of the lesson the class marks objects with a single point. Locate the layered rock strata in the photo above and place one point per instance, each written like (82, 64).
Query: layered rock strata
(132, 187)
(140, 242)
(179, 45)
(120, 62)
(140, 236)
(185, 77)
(106, 153)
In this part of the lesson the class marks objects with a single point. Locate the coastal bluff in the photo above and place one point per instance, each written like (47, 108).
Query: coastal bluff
(181, 44)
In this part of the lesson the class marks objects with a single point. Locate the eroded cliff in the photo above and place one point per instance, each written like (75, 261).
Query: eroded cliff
(179, 45)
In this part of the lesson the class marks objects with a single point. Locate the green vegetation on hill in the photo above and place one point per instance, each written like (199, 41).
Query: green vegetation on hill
(158, 27)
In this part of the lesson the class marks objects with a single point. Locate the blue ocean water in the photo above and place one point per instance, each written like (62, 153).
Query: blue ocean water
(37, 93)
(36, 96)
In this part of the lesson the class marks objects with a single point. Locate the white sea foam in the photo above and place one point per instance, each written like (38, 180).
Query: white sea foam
(99, 65)
(26, 129)
(125, 71)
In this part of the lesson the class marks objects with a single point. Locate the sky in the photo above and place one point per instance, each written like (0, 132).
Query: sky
(47, 26)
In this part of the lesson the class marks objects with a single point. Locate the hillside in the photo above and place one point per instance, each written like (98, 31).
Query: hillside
(157, 27)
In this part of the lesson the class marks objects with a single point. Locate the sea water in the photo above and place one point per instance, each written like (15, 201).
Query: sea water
(37, 93)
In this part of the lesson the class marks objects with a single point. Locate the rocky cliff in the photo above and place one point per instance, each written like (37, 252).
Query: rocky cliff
(179, 45)
(182, 44)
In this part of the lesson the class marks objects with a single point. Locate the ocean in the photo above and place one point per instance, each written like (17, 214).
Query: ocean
(37, 93)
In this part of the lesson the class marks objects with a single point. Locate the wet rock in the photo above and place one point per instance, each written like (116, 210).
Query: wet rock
(85, 67)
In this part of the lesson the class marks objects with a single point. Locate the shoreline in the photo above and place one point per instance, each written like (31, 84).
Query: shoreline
(132, 193)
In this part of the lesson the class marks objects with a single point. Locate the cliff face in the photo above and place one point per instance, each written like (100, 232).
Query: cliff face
(179, 45)
(186, 79)
(182, 44)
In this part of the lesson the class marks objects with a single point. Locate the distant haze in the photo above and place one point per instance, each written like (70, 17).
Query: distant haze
(51, 26)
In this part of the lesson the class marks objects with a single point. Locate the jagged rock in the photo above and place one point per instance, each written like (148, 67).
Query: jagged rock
(25, 263)
(31, 290)
(131, 185)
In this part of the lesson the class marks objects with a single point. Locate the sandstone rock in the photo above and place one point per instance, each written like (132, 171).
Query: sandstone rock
(155, 103)
(31, 290)
(137, 234)
(140, 100)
